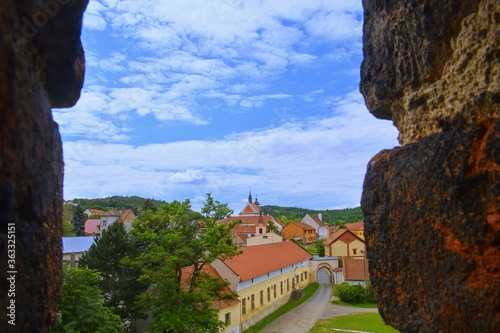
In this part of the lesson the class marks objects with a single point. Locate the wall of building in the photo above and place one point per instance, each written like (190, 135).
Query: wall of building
(275, 288)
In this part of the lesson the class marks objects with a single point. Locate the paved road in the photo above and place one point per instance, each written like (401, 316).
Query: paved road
(302, 318)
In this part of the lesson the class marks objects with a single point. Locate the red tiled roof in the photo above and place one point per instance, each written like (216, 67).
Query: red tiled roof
(252, 219)
(91, 226)
(355, 226)
(261, 259)
(339, 233)
(303, 226)
(335, 236)
(127, 216)
(318, 221)
(250, 208)
(96, 211)
(187, 272)
(354, 270)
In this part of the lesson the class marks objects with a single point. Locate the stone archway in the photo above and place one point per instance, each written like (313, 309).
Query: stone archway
(324, 275)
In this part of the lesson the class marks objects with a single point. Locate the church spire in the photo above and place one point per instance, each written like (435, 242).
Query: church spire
(250, 195)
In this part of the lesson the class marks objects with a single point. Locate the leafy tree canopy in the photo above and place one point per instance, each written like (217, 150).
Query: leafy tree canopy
(330, 216)
(82, 309)
(118, 281)
(116, 202)
(176, 237)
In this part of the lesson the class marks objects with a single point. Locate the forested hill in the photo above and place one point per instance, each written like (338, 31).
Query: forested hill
(330, 216)
(115, 202)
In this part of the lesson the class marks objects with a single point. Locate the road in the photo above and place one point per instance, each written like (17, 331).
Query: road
(302, 318)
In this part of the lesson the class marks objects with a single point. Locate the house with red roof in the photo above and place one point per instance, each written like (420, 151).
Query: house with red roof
(345, 243)
(264, 277)
(229, 310)
(316, 221)
(301, 232)
(357, 228)
(126, 217)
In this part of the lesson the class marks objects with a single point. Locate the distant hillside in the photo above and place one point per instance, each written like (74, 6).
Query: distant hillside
(115, 202)
(332, 217)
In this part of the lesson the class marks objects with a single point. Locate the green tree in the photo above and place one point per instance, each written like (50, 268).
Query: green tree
(175, 238)
(82, 309)
(320, 247)
(148, 204)
(79, 219)
(271, 226)
(118, 281)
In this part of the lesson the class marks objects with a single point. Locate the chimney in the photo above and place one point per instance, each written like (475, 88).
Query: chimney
(320, 216)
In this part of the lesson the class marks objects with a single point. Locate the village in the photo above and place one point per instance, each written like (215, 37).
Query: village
(273, 267)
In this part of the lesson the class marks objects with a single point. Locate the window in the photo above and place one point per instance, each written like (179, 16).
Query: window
(354, 251)
(265, 237)
(260, 230)
(281, 287)
(227, 318)
(287, 284)
(243, 306)
(252, 304)
(269, 294)
(261, 297)
(305, 274)
(274, 291)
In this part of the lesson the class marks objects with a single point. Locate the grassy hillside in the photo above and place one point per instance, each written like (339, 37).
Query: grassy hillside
(330, 216)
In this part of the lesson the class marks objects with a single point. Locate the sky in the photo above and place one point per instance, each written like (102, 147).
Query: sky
(187, 97)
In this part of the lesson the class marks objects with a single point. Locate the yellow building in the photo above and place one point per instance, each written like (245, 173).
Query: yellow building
(345, 243)
(264, 277)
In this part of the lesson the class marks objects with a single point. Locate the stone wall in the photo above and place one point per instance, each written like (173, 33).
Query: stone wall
(41, 66)
(432, 206)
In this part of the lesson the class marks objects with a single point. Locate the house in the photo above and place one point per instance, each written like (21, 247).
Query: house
(300, 231)
(355, 271)
(357, 228)
(316, 221)
(95, 212)
(267, 238)
(264, 277)
(92, 227)
(251, 222)
(229, 310)
(345, 243)
(121, 216)
(74, 247)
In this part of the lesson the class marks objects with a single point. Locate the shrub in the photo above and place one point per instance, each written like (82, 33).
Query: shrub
(353, 294)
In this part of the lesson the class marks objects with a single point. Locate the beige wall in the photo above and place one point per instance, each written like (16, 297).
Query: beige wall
(261, 239)
(280, 288)
(234, 312)
(341, 249)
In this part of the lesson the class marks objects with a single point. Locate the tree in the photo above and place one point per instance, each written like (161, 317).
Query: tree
(82, 309)
(79, 219)
(175, 239)
(320, 247)
(271, 226)
(118, 281)
(148, 204)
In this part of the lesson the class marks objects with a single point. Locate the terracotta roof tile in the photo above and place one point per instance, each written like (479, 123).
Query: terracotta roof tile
(354, 270)
(335, 236)
(261, 259)
(187, 272)
(304, 226)
(355, 226)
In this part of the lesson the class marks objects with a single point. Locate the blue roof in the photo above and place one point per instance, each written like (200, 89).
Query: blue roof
(77, 244)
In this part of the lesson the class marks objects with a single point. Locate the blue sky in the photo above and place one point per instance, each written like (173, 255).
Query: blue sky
(187, 97)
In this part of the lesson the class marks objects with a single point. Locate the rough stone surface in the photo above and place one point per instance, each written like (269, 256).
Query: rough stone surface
(35, 73)
(432, 206)
(432, 230)
(431, 65)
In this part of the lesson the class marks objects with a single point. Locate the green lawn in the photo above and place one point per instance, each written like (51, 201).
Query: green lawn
(366, 322)
(360, 305)
(308, 292)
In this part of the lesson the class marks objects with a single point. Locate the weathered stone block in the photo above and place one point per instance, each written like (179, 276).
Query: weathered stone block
(41, 65)
(432, 222)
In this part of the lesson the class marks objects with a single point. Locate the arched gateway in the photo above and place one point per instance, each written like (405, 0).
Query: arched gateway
(322, 268)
